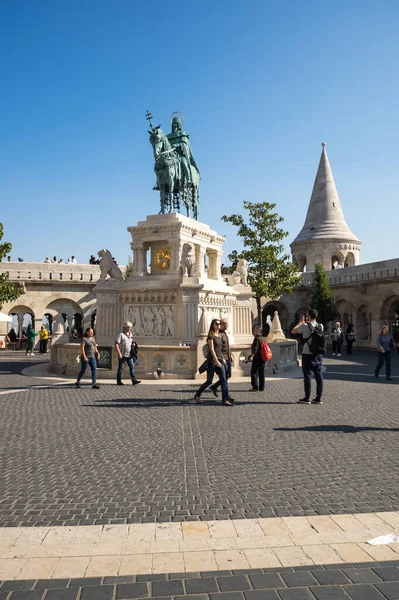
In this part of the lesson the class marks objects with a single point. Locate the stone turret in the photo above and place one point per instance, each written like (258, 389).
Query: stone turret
(325, 237)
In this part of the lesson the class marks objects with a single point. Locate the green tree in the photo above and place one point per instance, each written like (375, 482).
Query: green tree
(8, 290)
(270, 272)
(129, 267)
(321, 296)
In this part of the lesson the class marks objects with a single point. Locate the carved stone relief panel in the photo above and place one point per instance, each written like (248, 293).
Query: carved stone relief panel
(151, 321)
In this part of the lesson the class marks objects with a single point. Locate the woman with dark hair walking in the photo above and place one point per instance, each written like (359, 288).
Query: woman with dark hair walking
(215, 363)
(350, 338)
(89, 355)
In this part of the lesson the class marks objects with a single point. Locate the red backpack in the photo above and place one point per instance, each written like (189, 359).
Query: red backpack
(265, 352)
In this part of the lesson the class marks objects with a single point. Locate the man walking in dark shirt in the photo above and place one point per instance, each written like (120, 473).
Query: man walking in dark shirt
(228, 358)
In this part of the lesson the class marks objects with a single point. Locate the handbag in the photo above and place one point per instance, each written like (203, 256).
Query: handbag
(391, 344)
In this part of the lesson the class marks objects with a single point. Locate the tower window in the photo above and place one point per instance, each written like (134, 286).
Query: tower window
(334, 204)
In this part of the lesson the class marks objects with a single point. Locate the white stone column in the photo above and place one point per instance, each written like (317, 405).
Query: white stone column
(212, 273)
(175, 255)
(59, 330)
(200, 252)
(139, 258)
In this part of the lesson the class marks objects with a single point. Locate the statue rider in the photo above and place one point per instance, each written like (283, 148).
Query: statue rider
(180, 140)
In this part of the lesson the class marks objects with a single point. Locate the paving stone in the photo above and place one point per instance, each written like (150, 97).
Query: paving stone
(329, 592)
(266, 580)
(227, 596)
(390, 590)
(131, 590)
(97, 592)
(299, 578)
(24, 584)
(296, 594)
(193, 597)
(119, 579)
(362, 575)
(387, 573)
(63, 594)
(331, 577)
(216, 486)
(4, 595)
(149, 577)
(363, 591)
(261, 595)
(47, 584)
(27, 595)
(174, 587)
(85, 581)
(197, 586)
(233, 583)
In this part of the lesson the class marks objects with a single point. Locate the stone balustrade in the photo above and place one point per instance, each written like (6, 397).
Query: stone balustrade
(383, 270)
(33, 271)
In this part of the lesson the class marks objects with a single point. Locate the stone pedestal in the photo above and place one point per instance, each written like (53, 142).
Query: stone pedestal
(174, 291)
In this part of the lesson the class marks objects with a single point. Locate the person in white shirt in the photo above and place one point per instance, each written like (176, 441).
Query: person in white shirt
(125, 348)
(73, 260)
(310, 362)
(47, 261)
(68, 262)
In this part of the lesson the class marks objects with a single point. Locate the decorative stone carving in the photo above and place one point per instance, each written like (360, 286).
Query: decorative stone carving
(153, 321)
(188, 260)
(276, 330)
(107, 266)
(240, 274)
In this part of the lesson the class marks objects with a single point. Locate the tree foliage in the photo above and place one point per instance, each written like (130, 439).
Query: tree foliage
(321, 296)
(270, 272)
(8, 290)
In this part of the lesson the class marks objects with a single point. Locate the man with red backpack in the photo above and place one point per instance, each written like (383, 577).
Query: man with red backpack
(312, 354)
(258, 359)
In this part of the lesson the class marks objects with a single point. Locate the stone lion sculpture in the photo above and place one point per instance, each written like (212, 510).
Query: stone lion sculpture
(240, 275)
(107, 265)
(187, 261)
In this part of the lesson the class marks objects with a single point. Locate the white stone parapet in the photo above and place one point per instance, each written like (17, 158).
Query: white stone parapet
(34, 271)
(385, 269)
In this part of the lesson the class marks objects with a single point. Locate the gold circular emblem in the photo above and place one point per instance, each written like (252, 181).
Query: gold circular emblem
(162, 259)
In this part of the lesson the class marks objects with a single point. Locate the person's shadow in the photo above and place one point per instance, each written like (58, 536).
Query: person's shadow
(335, 428)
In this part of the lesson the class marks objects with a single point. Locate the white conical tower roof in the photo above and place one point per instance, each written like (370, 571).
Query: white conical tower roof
(325, 219)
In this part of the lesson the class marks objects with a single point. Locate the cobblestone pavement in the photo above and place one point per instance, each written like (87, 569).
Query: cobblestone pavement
(362, 581)
(145, 453)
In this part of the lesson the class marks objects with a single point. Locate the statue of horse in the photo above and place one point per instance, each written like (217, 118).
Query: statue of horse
(171, 182)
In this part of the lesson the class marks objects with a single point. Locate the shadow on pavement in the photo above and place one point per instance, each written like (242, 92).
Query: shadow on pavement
(336, 428)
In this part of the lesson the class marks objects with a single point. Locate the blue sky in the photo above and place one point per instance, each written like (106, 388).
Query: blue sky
(261, 84)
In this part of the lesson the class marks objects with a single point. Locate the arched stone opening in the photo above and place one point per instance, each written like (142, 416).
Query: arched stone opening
(268, 311)
(362, 326)
(23, 316)
(93, 320)
(337, 260)
(302, 263)
(62, 311)
(350, 260)
(390, 315)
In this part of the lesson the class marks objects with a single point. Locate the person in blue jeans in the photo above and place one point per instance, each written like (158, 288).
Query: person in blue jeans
(125, 349)
(385, 345)
(216, 364)
(89, 357)
(311, 363)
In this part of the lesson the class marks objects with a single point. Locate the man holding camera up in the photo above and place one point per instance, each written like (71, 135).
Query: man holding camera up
(126, 350)
(310, 362)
